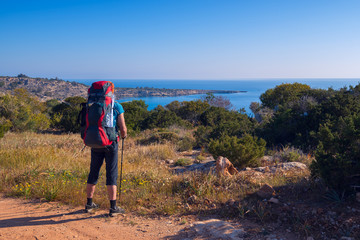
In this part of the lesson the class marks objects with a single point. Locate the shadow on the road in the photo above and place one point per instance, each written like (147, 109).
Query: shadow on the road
(46, 220)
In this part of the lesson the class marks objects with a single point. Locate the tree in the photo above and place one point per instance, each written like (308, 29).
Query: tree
(337, 155)
(22, 112)
(22, 76)
(135, 113)
(217, 101)
(162, 118)
(65, 115)
(191, 110)
(283, 94)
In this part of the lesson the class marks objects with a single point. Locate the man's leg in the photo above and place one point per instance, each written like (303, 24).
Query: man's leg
(111, 192)
(97, 159)
(111, 159)
(90, 189)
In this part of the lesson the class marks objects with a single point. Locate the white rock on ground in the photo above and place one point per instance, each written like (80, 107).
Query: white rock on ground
(216, 229)
(292, 165)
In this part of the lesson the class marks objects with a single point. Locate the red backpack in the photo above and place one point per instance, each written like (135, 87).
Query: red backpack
(98, 130)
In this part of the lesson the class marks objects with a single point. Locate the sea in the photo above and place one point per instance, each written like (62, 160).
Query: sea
(253, 87)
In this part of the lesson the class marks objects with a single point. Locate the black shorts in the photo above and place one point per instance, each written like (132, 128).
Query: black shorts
(110, 154)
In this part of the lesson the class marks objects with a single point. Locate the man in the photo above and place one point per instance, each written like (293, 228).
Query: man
(110, 154)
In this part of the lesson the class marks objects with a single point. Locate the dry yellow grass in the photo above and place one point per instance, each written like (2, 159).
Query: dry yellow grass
(54, 167)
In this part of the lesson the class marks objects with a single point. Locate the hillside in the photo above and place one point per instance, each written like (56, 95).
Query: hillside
(46, 89)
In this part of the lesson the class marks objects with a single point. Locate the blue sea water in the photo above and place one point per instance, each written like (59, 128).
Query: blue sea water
(254, 88)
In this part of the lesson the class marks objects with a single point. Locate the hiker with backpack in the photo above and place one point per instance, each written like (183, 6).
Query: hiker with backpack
(100, 120)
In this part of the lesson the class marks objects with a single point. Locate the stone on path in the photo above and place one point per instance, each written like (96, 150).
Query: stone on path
(216, 229)
(225, 167)
(266, 191)
(292, 165)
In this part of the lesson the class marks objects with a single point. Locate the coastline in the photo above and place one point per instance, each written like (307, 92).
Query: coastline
(46, 89)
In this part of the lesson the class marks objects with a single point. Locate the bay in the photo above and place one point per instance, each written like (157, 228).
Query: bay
(254, 88)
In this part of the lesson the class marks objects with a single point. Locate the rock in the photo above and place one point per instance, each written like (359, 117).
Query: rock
(192, 199)
(216, 229)
(274, 200)
(292, 165)
(205, 167)
(266, 191)
(309, 238)
(260, 169)
(358, 196)
(170, 161)
(225, 167)
(267, 159)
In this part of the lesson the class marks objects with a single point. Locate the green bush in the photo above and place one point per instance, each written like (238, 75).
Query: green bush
(337, 156)
(162, 118)
(291, 154)
(4, 126)
(64, 116)
(183, 162)
(200, 158)
(22, 112)
(135, 113)
(185, 144)
(242, 152)
(161, 137)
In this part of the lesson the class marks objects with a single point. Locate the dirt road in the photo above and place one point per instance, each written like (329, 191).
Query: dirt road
(24, 219)
(21, 219)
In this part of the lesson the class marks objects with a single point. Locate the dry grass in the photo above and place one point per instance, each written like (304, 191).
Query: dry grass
(53, 167)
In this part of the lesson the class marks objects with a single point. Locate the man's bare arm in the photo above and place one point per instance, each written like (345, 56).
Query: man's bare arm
(121, 124)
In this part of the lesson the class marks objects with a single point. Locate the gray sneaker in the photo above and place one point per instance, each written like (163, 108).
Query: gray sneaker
(90, 208)
(116, 211)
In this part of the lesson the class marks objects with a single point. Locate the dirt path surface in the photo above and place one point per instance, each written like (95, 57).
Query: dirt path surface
(21, 219)
(24, 219)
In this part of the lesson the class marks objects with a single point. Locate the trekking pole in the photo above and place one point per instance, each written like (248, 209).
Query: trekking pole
(122, 157)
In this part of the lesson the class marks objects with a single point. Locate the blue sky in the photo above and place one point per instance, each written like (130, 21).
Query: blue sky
(180, 39)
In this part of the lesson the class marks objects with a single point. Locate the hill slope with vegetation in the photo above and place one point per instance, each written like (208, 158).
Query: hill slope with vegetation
(54, 88)
(292, 123)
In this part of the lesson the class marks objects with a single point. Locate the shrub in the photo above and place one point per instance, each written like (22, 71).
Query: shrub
(183, 162)
(283, 94)
(185, 144)
(65, 115)
(202, 136)
(162, 118)
(337, 156)
(200, 158)
(241, 152)
(161, 137)
(22, 112)
(4, 126)
(291, 154)
(135, 113)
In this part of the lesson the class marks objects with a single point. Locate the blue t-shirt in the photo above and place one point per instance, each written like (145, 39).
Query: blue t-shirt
(118, 109)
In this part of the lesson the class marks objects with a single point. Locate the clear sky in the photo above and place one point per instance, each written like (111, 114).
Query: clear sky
(180, 39)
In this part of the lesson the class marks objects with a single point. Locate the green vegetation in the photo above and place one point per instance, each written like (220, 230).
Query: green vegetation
(242, 152)
(309, 122)
(22, 112)
(183, 162)
(64, 115)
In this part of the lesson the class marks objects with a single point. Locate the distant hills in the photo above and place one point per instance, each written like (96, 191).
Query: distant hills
(46, 89)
